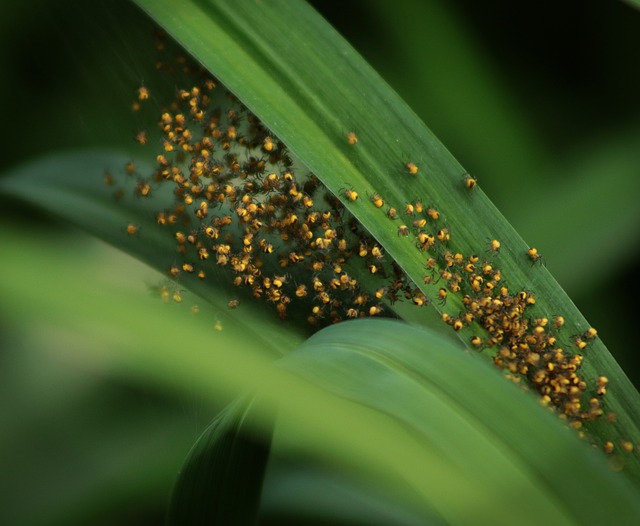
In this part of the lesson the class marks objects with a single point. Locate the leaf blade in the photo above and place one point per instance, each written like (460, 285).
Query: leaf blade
(310, 87)
(182, 350)
(221, 480)
(407, 372)
(69, 185)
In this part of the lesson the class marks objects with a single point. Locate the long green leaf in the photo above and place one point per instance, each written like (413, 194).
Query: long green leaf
(407, 452)
(567, 219)
(633, 3)
(498, 456)
(70, 185)
(311, 88)
(298, 491)
(81, 443)
(221, 481)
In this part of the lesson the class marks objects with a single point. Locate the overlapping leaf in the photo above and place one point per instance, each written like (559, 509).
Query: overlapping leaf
(311, 88)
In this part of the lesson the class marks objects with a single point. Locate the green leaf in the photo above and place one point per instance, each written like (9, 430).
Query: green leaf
(484, 452)
(633, 3)
(70, 185)
(582, 211)
(298, 491)
(311, 88)
(419, 436)
(221, 481)
(80, 442)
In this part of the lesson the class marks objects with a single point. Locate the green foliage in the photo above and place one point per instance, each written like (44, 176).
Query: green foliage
(395, 406)
(311, 89)
(221, 482)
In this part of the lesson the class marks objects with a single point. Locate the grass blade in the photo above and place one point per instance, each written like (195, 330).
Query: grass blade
(311, 88)
(98, 325)
(70, 185)
(513, 458)
(303, 492)
(221, 481)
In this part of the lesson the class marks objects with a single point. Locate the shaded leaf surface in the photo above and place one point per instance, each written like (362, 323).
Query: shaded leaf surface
(221, 481)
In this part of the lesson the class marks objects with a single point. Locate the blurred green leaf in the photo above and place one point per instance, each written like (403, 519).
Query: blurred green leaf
(100, 317)
(221, 481)
(633, 3)
(446, 432)
(491, 454)
(299, 491)
(70, 185)
(87, 443)
(581, 220)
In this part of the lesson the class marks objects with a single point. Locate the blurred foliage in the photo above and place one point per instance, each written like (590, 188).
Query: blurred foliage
(84, 443)
(540, 104)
